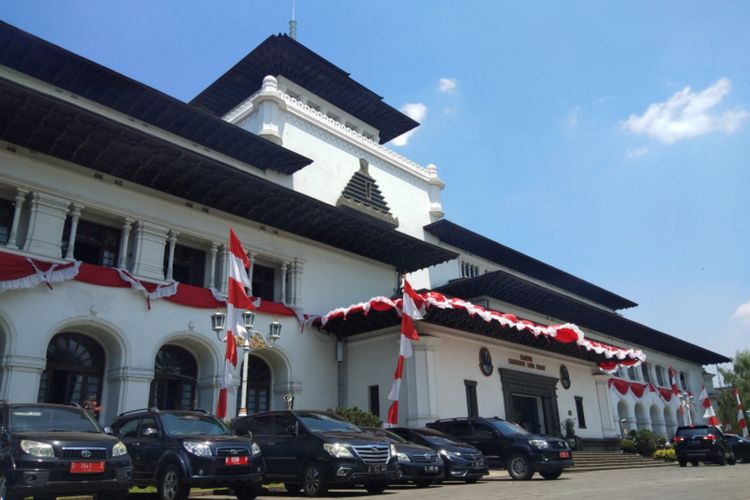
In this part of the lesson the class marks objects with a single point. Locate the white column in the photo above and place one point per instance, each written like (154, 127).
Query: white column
(148, 261)
(75, 215)
(284, 267)
(122, 259)
(212, 264)
(46, 223)
(421, 394)
(295, 285)
(172, 239)
(605, 406)
(224, 276)
(251, 256)
(20, 198)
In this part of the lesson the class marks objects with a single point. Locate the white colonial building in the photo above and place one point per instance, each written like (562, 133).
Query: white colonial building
(115, 206)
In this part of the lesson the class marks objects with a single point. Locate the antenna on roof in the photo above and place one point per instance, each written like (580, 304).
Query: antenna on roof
(293, 23)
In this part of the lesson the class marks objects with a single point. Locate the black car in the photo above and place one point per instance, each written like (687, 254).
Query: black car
(48, 450)
(175, 450)
(522, 452)
(740, 447)
(706, 443)
(416, 463)
(461, 461)
(314, 450)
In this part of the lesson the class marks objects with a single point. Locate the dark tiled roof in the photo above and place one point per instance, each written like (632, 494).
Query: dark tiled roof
(281, 55)
(479, 245)
(523, 293)
(49, 63)
(66, 131)
(363, 194)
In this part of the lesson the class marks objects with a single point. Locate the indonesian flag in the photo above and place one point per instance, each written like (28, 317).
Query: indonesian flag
(411, 312)
(741, 423)
(709, 414)
(237, 301)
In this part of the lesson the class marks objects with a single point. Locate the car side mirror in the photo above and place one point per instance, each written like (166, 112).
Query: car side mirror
(293, 429)
(108, 430)
(4, 436)
(244, 433)
(151, 432)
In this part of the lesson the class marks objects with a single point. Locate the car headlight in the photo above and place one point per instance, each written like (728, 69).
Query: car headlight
(255, 449)
(37, 449)
(402, 457)
(197, 448)
(119, 449)
(447, 453)
(539, 443)
(338, 450)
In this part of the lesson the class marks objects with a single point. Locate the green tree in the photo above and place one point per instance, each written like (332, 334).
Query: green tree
(739, 376)
(358, 417)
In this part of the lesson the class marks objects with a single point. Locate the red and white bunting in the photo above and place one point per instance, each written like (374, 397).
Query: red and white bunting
(709, 412)
(673, 380)
(741, 423)
(411, 311)
(237, 302)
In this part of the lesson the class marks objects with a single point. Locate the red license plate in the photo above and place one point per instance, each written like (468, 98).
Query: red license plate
(86, 467)
(236, 460)
(564, 454)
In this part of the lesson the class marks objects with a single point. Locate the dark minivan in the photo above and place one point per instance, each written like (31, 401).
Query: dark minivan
(522, 452)
(314, 450)
(175, 450)
(696, 443)
(48, 450)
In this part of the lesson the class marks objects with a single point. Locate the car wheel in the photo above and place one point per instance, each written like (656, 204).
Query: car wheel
(554, 474)
(171, 486)
(682, 462)
(247, 491)
(3, 487)
(313, 483)
(519, 466)
(471, 480)
(721, 459)
(112, 495)
(694, 463)
(376, 488)
(422, 484)
(292, 488)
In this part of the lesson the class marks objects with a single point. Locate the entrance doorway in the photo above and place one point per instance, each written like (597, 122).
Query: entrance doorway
(175, 374)
(74, 372)
(531, 401)
(528, 410)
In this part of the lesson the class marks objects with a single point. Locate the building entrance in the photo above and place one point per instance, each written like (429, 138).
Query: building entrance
(531, 401)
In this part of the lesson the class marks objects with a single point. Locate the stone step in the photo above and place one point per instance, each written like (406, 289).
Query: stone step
(656, 463)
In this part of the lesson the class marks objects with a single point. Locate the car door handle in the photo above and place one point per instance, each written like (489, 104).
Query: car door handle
(270, 443)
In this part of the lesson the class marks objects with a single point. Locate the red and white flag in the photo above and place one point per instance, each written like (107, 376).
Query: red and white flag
(709, 413)
(411, 311)
(673, 380)
(237, 302)
(741, 423)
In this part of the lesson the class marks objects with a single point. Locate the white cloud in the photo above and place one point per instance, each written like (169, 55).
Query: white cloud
(687, 114)
(447, 85)
(416, 111)
(743, 312)
(635, 153)
(573, 117)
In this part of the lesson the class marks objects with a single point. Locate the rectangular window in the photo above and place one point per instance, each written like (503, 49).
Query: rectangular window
(189, 265)
(645, 372)
(632, 374)
(7, 208)
(95, 243)
(579, 411)
(683, 381)
(375, 400)
(472, 407)
(263, 282)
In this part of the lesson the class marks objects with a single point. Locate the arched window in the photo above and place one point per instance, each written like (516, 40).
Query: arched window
(75, 370)
(258, 386)
(175, 372)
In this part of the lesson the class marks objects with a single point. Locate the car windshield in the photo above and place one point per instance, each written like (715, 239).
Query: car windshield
(508, 429)
(321, 422)
(695, 431)
(47, 419)
(436, 437)
(193, 425)
(387, 435)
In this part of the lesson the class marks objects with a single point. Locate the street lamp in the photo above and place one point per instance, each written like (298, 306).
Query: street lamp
(686, 403)
(253, 340)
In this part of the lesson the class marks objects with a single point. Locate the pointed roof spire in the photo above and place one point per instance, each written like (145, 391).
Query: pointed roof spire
(293, 23)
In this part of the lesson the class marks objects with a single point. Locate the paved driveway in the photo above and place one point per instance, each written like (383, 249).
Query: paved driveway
(689, 483)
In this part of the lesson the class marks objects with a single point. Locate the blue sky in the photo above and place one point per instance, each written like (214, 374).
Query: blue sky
(609, 139)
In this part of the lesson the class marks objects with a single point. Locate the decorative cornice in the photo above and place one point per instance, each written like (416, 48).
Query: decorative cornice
(298, 108)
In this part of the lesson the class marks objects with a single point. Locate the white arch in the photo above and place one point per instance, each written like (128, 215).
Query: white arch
(624, 416)
(281, 375)
(657, 423)
(110, 336)
(669, 422)
(641, 421)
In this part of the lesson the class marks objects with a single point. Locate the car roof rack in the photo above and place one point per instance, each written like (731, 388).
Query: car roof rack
(129, 412)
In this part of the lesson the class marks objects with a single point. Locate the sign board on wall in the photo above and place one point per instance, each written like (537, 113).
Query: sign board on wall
(526, 361)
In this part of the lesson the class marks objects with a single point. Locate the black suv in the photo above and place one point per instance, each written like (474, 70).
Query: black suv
(175, 450)
(314, 450)
(702, 442)
(48, 450)
(521, 452)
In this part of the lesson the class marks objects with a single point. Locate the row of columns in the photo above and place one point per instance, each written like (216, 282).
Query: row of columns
(47, 215)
